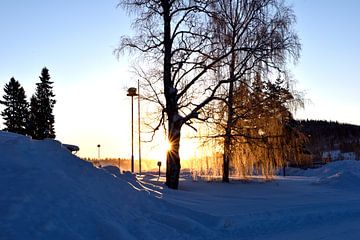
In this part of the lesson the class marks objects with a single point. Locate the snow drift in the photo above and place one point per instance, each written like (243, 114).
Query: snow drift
(48, 193)
(343, 174)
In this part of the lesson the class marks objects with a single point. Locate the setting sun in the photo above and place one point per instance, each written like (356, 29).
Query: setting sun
(167, 146)
(158, 149)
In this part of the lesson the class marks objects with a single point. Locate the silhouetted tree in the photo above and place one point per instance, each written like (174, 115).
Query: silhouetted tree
(32, 125)
(175, 47)
(41, 108)
(15, 113)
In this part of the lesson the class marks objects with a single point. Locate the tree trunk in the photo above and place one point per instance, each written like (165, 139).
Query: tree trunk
(227, 143)
(226, 161)
(229, 122)
(172, 157)
(174, 120)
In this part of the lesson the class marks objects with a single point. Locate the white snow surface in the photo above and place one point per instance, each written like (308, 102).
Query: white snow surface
(48, 193)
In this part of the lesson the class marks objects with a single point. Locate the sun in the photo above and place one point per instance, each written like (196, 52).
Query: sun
(158, 151)
(167, 146)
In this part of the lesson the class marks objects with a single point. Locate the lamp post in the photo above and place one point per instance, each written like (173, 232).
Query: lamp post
(131, 93)
(98, 146)
(159, 165)
(139, 129)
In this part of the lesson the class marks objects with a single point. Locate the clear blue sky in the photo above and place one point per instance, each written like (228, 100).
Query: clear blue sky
(329, 63)
(75, 40)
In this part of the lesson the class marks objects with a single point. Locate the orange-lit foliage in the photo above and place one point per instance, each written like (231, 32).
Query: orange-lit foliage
(264, 136)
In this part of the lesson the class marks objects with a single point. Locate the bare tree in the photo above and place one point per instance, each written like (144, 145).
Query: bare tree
(260, 32)
(173, 36)
(181, 52)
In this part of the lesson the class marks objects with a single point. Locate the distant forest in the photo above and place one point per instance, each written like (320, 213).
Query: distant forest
(325, 141)
(325, 137)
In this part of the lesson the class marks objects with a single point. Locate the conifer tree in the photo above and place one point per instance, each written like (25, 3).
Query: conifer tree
(32, 125)
(15, 113)
(41, 108)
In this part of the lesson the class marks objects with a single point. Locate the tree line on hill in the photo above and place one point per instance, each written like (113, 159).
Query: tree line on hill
(326, 136)
(34, 118)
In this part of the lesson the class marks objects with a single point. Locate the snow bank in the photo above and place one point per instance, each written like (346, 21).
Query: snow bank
(342, 174)
(48, 193)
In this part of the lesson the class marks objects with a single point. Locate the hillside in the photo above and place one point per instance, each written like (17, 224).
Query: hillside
(331, 139)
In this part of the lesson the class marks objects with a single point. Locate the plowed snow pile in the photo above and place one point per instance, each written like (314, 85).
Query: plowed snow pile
(340, 174)
(343, 174)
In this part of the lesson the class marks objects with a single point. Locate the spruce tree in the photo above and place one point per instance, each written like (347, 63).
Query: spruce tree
(16, 112)
(34, 109)
(42, 105)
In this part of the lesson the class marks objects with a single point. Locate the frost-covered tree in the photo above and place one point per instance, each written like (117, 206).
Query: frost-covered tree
(15, 113)
(41, 108)
(265, 137)
(262, 36)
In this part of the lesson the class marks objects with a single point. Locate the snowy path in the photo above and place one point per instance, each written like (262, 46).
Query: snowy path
(287, 208)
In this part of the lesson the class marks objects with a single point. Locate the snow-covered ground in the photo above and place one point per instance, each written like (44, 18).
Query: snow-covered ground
(47, 193)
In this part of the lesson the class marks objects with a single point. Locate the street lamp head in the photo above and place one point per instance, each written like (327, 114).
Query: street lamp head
(132, 92)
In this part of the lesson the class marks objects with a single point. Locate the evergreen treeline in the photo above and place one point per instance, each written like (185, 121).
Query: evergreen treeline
(36, 118)
(325, 136)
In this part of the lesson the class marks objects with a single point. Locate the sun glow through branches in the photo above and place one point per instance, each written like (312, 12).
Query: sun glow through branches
(167, 146)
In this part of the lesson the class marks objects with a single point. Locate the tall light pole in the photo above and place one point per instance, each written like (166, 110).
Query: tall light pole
(132, 93)
(139, 129)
